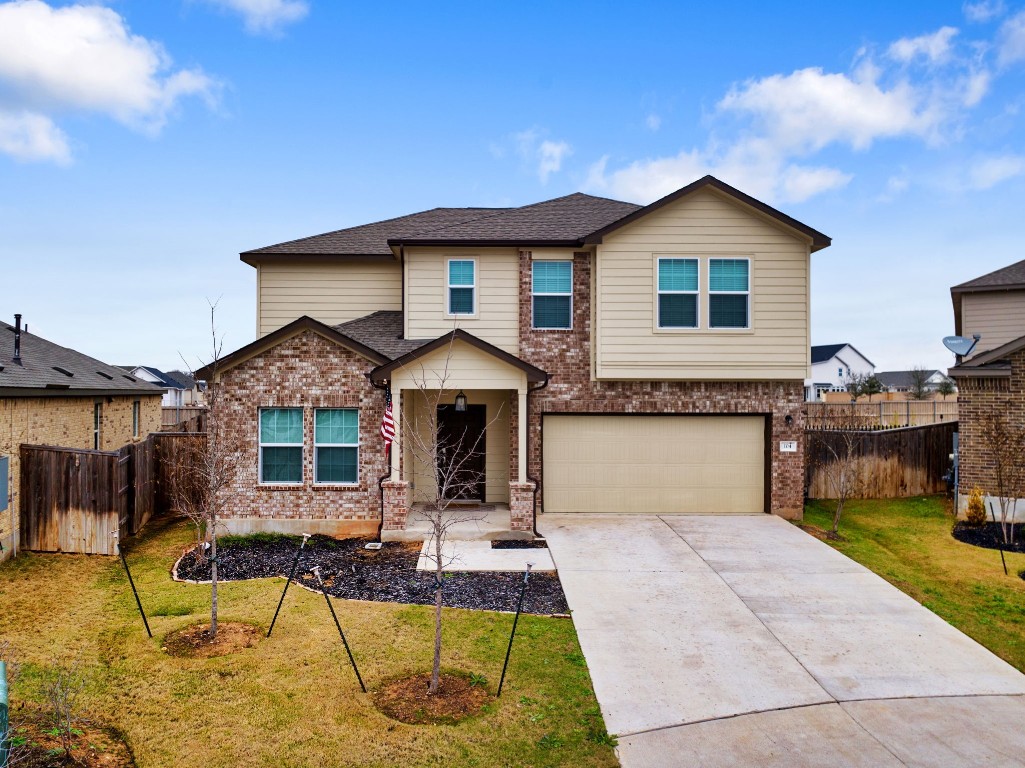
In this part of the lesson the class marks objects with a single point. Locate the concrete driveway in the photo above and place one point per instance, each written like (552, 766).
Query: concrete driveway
(743, 641)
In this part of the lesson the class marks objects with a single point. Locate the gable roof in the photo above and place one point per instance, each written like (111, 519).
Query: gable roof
(824, 352)
(902, 379)
(382, 372)
(162, 379)
(304, 323)
(1009, 278)
(571, 221)
(184, 380)
(381, 331)
(818, 240)
(49, 369)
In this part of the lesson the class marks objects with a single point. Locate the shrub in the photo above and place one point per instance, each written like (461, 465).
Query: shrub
(976, 513)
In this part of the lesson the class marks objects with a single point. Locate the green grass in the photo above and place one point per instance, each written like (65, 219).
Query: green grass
(292, 700)
(908, 543)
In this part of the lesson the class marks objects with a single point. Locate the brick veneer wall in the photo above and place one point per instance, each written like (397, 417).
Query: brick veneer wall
(66, 422)
(975, 398)
(566, 355)
(310, 372)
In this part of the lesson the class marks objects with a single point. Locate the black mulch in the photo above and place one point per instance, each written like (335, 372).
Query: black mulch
(989, 536)
(385, 575)
(519, 544)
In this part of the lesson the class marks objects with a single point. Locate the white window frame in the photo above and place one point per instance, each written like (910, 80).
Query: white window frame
(659, 292)
(97, 425)
(260, 445)
(136, 407)
(449, 287)
(316, 445)
(747, 293)
(534, 293)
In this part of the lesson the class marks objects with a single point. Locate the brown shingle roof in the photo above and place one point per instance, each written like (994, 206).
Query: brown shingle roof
(382, 332)
(1006, 277)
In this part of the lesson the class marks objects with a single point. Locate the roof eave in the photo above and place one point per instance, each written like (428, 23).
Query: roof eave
(256, 258)
(486, 243)
(80, 392)
(970, 372)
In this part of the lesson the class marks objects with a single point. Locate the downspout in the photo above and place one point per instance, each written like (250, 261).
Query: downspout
(537, 486)
(385, 476)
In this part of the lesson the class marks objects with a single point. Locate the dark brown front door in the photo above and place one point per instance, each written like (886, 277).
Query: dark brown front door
(461, 445)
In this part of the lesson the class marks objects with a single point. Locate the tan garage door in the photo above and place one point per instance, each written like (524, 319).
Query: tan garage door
(654, 464)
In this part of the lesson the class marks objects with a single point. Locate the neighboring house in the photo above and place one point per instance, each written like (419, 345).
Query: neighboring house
(832, 366)
(52, 395)
(192, 389)
(176, 391)
(904, 381)
(992, 378)
(613, 358)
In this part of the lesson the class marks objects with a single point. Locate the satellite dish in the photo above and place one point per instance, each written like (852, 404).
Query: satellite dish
(961, 345)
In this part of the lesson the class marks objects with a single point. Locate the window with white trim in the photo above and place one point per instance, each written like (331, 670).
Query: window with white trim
(281, 445)
(677, 293)
(336, 446)
(462, 286)
(729, 293)
(135, 418)
(552, 294)
(97, 425)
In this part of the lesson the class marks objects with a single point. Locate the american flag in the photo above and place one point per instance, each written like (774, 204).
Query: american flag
(387, 422)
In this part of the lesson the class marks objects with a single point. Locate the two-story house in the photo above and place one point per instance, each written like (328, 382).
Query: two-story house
(992, 377)
(832, 368)
(611, 357)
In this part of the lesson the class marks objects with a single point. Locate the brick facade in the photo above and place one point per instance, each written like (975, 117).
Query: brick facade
(305, 371)
(566, 355)
(66, 422)
(977, 397)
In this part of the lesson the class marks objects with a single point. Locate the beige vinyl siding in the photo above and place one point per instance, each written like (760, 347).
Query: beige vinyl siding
(496, 318)
(628, 344)
(654, 464)
(459, 365)
(496, 440)
(329, 292)
(998, 316)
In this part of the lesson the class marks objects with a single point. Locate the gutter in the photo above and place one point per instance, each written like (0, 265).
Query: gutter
(534, 480)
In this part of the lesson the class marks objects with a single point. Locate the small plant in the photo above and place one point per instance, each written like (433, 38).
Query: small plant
(550, 741)
(976, 513)
(603, 737)
(478, 680)
(62, 687)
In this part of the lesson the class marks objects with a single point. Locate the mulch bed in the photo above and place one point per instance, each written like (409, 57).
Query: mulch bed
(407, 699)
(194, 641)
(519, 544)
(93, 745)
(385, 575)
(989, 536)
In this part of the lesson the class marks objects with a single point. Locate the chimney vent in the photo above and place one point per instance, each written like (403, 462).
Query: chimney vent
(17, 339)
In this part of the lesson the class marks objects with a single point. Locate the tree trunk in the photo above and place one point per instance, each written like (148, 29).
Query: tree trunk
(438, 574)
(213, 579)
(836, 519)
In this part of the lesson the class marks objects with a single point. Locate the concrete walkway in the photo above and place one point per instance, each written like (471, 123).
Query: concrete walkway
(743, 641)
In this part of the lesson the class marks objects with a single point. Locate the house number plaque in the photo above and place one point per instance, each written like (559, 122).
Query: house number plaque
(788, 446)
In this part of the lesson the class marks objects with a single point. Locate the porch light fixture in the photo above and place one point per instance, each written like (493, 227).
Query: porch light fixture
(461, 401)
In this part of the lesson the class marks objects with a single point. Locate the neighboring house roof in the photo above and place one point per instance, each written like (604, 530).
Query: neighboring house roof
(1010, 278)
(993, 363)
(381, 331)
(902, 379)
(48, 369)
(304, 323)
(823, 353)
(382, 372)
(184, 380)
(163, 379)
(570, 221)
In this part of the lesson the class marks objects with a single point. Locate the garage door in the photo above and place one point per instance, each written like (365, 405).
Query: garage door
(654, 464)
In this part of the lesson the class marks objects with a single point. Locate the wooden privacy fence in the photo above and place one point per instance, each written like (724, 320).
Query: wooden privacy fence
(882, 415)
(891, 463)
(183, 419)
(73, 500)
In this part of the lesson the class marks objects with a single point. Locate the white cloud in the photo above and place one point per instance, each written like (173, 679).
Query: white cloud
(934, 48)
(1011, 40)
(990, 171)
(545, 153)
(32, 137)
(84, 58)
(984, 10)
(265, 16)
(653, 121)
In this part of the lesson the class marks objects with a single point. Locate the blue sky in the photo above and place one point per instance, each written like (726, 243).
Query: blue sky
(143, 145)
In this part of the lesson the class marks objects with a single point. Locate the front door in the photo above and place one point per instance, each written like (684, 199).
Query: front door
(461, 437)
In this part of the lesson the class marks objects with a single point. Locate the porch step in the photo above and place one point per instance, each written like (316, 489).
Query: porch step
(479, 556)
(492, 522)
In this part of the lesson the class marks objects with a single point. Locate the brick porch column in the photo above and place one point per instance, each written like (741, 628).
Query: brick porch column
(521, 506)
(396, 505)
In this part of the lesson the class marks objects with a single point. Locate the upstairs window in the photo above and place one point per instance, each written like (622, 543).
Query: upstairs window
(336, 442)
(462, 287)
(729, 293)
(552, 294)
(281, 445)
(677, 293)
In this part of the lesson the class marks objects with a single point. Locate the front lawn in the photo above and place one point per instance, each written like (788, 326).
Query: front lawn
(908, 543)
(291, 700)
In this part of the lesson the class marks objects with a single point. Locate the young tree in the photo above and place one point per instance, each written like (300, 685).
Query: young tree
(863, 385)
(1004, 448)
(919, 383)
(835, 453)
(450, 456)
(205, 467)
(946, 388)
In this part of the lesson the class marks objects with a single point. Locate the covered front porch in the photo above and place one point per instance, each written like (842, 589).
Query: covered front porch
(459, 407)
